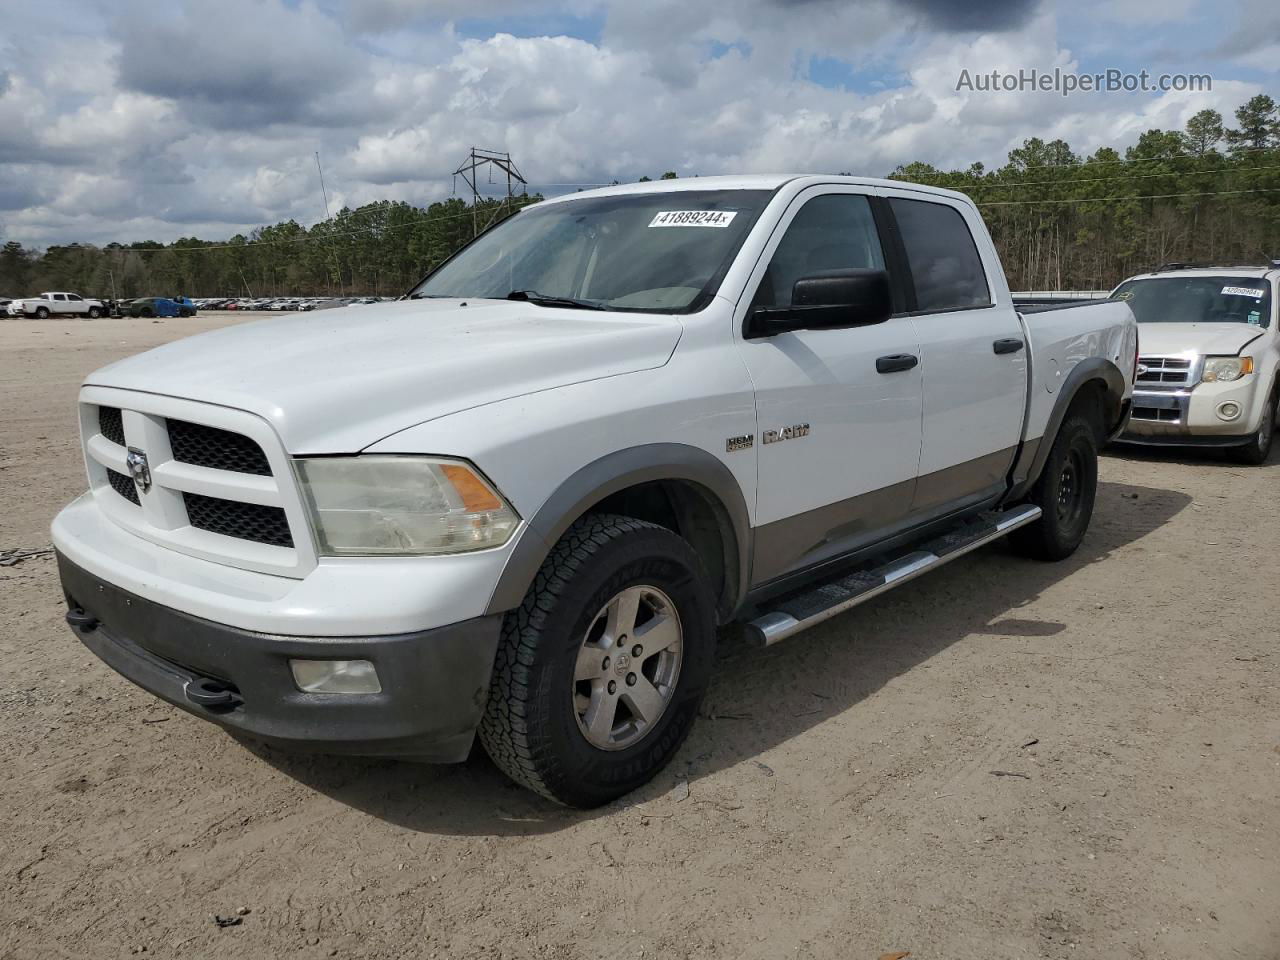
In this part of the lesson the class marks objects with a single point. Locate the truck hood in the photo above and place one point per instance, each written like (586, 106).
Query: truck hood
(1209, 339)
(336, 381)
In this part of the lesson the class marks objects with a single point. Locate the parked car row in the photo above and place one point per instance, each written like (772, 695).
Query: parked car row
(285, 303)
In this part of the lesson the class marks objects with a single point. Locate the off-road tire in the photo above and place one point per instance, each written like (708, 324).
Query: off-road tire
(530, 728)
(1058, 531)
(1255, 452)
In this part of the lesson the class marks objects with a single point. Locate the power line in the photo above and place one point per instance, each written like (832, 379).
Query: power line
(306, 238)
(1154, 196)
(1177, 156)
(980, 185)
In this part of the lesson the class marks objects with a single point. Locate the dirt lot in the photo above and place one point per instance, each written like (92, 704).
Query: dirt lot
(1003, 759)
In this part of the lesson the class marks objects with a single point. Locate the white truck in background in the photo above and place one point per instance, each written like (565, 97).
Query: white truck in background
(519, 502)
(1209, 374)
(55, 304)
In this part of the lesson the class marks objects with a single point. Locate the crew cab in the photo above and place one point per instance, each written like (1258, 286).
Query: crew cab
(1209, 374)
(56, 304)
(521, 501)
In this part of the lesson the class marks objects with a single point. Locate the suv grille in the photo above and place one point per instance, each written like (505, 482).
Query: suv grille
(1164, 370)
(232, 518)
(111, 423)
(204, 446)
(123, 485)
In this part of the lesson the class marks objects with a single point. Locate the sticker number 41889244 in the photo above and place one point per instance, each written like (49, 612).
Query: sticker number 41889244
(693, 218)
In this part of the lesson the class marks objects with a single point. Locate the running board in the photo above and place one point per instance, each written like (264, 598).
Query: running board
(801, 611)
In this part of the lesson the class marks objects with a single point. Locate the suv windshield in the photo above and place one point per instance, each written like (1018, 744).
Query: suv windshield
(1198, 300)
(656, 252)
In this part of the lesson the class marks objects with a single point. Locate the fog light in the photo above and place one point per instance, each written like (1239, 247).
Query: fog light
(1228, 410)
(335, 676)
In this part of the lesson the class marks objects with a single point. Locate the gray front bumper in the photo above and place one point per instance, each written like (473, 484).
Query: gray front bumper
(434, 682)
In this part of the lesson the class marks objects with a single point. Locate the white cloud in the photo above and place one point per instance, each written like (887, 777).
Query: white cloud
(219, 134)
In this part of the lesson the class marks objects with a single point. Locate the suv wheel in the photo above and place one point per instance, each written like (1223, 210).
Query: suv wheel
(1256, 451)
(1064, 493)
(600, 671)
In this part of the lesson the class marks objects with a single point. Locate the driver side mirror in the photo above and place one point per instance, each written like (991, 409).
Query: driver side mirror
(830, 300)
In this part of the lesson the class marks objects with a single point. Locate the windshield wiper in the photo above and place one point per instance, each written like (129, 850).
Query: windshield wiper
(533, 296)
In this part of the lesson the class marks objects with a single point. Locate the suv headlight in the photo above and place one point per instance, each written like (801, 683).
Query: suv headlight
(385, 505)
(1226, 369)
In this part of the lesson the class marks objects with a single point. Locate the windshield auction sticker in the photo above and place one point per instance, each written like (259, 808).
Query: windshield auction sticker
(693, 218)
(1228, 291)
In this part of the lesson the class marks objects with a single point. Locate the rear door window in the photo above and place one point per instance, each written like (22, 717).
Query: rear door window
(945, 265)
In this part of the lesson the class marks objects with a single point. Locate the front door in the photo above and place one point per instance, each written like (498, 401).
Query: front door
(838, 440)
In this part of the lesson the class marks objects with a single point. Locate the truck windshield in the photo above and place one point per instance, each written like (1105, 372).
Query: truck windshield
(654, 252)
(1198, 300)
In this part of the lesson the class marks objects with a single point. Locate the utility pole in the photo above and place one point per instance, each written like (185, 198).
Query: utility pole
(478, 158)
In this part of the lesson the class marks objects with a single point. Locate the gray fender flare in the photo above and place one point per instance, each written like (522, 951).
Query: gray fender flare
(1033, 454)
(618, 471)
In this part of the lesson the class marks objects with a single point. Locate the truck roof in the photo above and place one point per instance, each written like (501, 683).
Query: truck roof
(751, 182)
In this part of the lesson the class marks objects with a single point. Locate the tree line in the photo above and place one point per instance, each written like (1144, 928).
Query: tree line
(1210, 192)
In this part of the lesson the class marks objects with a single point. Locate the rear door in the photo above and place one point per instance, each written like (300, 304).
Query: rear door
(973, 351)
(58, 303)
(837, 440)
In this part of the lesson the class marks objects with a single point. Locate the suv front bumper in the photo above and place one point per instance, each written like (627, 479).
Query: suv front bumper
(434, 682)
(1190, 417)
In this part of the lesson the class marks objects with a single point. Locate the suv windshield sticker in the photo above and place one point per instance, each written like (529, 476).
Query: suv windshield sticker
(1232, 291)
(693, 218)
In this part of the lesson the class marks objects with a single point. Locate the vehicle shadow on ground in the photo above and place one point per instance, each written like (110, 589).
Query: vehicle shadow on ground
(1191, 456)
(792, 687)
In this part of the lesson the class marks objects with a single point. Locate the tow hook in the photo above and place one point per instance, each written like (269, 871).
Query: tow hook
(81, 620)
(211, 694)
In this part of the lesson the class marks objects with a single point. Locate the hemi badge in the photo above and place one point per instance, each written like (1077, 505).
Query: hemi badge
(743, 442)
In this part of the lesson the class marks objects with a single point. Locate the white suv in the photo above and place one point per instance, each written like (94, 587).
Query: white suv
(1210, 346)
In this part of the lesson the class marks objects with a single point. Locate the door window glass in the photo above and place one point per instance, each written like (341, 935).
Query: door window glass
(832, 232)
(944, 260)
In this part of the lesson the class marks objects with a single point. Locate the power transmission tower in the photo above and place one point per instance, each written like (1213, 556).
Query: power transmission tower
(492, 159)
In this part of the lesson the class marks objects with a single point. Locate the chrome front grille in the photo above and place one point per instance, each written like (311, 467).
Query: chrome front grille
(204, 480)
(1164, 371)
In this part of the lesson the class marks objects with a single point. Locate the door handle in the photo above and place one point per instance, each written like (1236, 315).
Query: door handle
(1012, 345)
(896, 362)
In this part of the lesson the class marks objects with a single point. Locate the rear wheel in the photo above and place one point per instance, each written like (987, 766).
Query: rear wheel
(1064, 493)
(1256, 451)
(42, 313)
(600, 671)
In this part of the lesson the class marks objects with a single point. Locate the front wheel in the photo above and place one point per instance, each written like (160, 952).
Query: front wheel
(600, 671)
(1256, 451)
(94, 313)
(1064, 493)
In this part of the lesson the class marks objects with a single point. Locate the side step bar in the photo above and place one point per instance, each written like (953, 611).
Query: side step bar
(801, 611)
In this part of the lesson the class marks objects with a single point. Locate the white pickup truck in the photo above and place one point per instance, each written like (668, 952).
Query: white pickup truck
(57, 304)
(521, 501)
(1209, 374)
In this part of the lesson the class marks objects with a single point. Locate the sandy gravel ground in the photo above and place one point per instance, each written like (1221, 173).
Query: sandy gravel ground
(1003, 759)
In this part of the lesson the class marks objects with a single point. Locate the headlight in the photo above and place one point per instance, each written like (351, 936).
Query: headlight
(1226, 368)
(402, 505)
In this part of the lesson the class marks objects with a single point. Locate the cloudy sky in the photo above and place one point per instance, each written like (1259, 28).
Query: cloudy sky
(139, 119)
